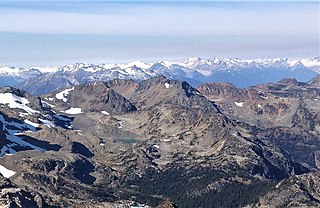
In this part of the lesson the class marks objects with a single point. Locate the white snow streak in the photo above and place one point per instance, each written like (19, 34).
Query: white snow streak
(6, 172)
(63, 94)
(73, 110)
(15, 101)
(239, 104)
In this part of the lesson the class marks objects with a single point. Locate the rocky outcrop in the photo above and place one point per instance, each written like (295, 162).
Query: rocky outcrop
(297, 191)
(98, 97)
(91, 97)
(315, 81)
(13, 196)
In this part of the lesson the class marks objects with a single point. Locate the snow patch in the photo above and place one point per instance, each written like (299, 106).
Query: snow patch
(47, 122)
(31, 123)
(156, 146)
(46, 104)
(120, 124)
(11, 136)
(6, 149)
(73, 110)
(63, 94)
(167, 85)
(15, 101)
(6, 172)
(239, 104)
(105, 113)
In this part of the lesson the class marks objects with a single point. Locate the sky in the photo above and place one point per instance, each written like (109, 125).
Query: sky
(55, 33)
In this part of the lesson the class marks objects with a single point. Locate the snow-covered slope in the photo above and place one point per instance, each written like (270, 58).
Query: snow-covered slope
(20, 114)
(195, 70)
(10, 76)
(313, 63)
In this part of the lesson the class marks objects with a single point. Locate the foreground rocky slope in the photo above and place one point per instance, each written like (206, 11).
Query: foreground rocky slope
(162, 143)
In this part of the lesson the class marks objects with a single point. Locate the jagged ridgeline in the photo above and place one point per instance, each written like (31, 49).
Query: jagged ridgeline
(161, 142)
(242, 73)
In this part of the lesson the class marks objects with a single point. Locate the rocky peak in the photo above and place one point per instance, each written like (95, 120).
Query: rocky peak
(227, 90)
(289, 81)
(160, 89)
(315, 81)
(17, 98)
(97, 96)
(123, 86)
(15, 91)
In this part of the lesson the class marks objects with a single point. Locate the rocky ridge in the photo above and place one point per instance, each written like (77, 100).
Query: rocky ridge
(162, 140)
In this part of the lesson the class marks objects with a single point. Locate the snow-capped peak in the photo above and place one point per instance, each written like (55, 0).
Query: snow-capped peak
(139, 64)
(193, 61)
(193, 69)
(44, 69)
(12, 71)
(311, 62)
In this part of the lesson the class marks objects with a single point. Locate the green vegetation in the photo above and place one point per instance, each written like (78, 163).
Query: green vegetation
(197, 188)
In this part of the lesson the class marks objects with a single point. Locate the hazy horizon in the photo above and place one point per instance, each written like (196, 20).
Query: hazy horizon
(55, 33)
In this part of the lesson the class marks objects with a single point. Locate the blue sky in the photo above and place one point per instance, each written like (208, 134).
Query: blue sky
(49, 33)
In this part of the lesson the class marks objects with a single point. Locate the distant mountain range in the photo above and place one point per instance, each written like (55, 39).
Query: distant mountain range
(242, 73)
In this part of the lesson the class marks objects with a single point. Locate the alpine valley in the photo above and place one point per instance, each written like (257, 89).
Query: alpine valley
(201, 133)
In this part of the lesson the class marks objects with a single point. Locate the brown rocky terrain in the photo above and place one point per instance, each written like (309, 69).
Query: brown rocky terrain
(163, 143)
(297, 191)
(286, 112)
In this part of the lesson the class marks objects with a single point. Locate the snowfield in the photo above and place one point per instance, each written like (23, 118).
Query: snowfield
(14, 101)
(12, 135)
(239, 104)
(6, 172)
(73, 110)
(105, 113)
(64, 94)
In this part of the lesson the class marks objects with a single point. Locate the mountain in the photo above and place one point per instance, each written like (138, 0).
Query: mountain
(161, 142)
(312, 63)
(10, 76)
(242, 73)
(22, 114)
(90, 97)
(315, 81)
(286, 111)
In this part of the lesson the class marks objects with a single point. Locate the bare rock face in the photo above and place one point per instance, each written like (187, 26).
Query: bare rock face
(287, 113)
(92, 97)
(290, 81)
(298, 191)
(222, 89)
(123, 87)
(315, 81)
(13, 196)
(98, 97)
